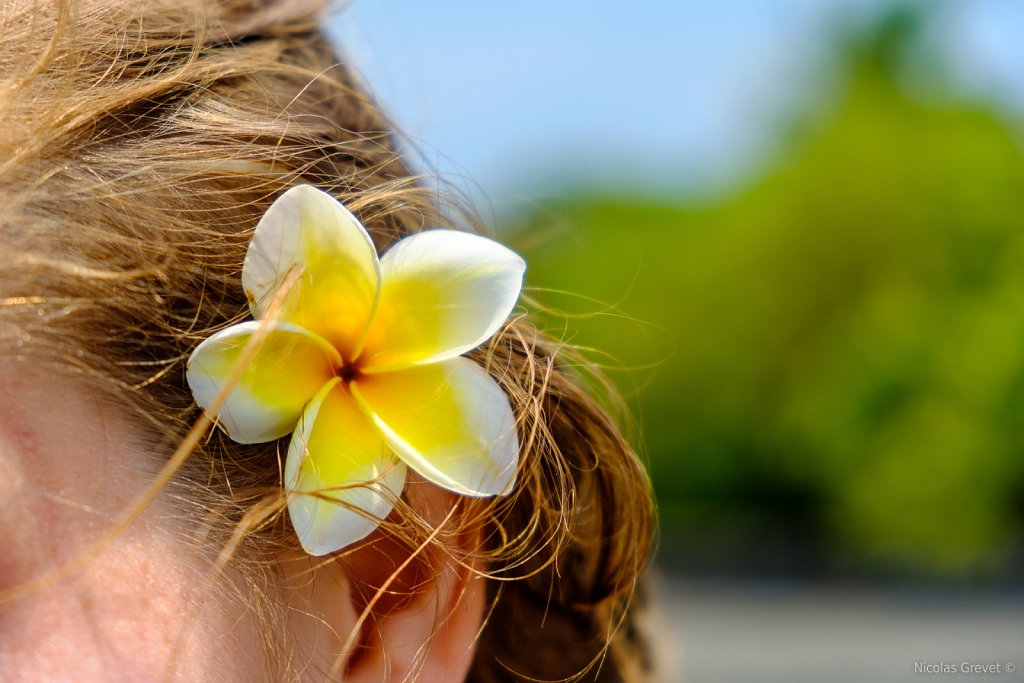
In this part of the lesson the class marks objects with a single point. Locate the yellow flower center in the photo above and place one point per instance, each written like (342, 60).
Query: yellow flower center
(349, 371)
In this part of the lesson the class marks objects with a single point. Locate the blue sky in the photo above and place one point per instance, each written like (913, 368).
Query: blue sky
(515, 100)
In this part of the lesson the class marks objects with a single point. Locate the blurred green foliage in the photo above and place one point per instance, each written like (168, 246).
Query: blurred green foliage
(828, 364)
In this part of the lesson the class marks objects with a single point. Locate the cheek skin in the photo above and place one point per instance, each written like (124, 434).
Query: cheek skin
(67, 471)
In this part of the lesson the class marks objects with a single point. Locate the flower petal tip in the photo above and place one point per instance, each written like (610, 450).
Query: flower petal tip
(449, 421)
(341, 479)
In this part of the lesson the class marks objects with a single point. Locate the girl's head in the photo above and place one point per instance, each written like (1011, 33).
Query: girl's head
(140, 143)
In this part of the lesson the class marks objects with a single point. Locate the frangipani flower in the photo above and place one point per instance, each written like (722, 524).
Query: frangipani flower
(363, 365)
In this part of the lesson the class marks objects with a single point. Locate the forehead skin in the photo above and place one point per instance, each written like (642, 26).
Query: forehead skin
(68, 469)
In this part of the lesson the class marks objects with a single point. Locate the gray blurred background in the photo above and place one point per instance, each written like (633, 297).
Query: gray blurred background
(795, 231)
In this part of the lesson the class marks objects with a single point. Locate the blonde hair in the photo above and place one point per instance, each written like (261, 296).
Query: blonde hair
(140, 142)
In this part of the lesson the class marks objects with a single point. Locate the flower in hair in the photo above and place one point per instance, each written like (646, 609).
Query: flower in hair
(362, 364)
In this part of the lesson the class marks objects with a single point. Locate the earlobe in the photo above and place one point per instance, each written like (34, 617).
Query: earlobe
(401, 619)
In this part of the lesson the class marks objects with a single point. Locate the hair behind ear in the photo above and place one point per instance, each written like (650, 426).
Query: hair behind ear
(583, 516)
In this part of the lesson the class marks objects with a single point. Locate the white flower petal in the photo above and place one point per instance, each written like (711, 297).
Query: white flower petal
(340, 477)
(336, 293)
(449, 421)
(287, 370)
(443, 292)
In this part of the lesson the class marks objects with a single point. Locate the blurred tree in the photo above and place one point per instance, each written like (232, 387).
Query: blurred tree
(845, 385)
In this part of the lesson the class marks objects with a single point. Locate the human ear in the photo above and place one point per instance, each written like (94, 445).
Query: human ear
(387, 610)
